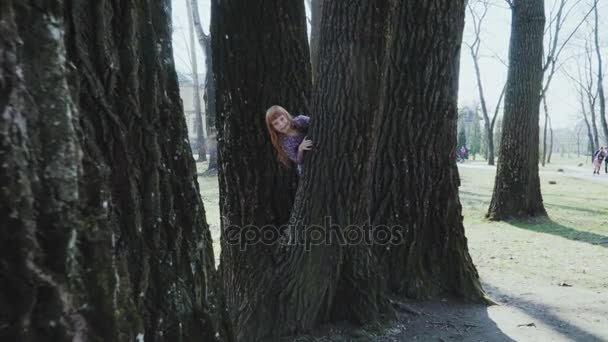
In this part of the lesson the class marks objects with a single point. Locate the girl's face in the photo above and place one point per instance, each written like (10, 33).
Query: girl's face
(281, 124)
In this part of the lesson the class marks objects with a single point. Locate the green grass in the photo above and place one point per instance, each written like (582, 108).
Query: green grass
(577, 208)
(571, 244)
(527, 260)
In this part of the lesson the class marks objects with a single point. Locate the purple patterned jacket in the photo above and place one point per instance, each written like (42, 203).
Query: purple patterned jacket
(292, 142)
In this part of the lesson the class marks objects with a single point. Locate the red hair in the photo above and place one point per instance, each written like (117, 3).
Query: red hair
(272, 114)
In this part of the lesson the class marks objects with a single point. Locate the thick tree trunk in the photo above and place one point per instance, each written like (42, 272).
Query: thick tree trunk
(517, 186)
(414, 179)
(344, 281)
(201, 134)
(316, 13)
(256, 65)
(105, 237)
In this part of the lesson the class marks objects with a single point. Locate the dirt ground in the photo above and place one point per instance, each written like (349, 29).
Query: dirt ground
(549, 277)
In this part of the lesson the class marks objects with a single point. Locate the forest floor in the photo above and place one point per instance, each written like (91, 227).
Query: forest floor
(548, 276)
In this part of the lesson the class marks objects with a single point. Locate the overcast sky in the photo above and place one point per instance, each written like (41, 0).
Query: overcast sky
(562, 100)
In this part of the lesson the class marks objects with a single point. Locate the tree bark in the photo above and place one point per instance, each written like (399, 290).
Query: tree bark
(105, 236)
(255, 66)
(348, 284)
(316, 13)
(517, 186)
(201, 133)
(414, 179)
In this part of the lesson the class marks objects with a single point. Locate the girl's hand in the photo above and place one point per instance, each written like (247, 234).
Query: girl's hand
(305, 145)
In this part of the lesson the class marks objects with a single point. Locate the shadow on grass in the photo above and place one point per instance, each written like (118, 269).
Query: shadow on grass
(449, 320)
(543, 313)
(547, 226)
(585, 210)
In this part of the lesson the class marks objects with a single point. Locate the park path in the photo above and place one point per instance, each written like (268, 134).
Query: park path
(583, 172)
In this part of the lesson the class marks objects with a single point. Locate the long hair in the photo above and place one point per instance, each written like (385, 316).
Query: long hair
(272, 114)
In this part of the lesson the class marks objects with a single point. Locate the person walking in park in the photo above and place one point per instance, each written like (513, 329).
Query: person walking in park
(598, 158)
(288, 136)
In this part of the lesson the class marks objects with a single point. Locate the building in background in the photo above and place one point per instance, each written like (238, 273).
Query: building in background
(186, 92)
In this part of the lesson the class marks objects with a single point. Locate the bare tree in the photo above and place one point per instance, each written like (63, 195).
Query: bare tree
(599, 73)
(201, 131)
(585, 87)
(557, 18)
(474, 50)
(209, 95)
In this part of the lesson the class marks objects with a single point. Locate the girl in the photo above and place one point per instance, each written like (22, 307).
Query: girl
(288, 135)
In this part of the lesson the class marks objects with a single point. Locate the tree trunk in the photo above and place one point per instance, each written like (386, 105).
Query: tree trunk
(517, 186)
(316, 13)
(592, 113)
(600, 75)
(550, 142)
(105, 236)
(344, 280)
(414, 179)
(255, 66)
(209, 95)
(590, 134)
(484, 110)
(546, 109)
(201, 134)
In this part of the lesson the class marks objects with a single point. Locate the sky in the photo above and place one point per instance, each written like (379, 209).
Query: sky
(562, 101)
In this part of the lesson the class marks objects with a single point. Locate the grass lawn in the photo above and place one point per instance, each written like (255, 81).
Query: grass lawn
(550, 276)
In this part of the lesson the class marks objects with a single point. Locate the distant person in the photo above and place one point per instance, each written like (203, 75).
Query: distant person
(288, 136)
(606, 159)
(464, 152)
(598, 158)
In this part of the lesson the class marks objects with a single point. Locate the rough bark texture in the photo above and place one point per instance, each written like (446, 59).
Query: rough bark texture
(517, 186)
(258, 63)
(344, 280)
(414, 183)
(316, 13)
(104, 235)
